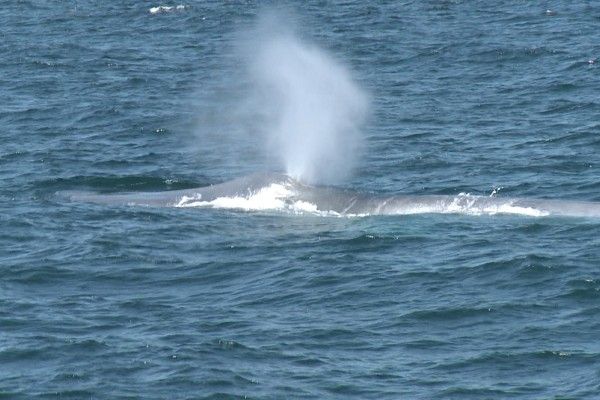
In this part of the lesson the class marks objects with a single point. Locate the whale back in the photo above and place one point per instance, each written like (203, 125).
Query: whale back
(273, 191)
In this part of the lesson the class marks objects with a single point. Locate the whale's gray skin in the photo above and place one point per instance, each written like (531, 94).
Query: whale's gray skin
(346, 202)
(353, 203)
(240, 187)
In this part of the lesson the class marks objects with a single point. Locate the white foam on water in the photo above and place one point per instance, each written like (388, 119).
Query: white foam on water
(163, 9)
(275, 197)
(281, 197)
(305, 206)
(467, 204)
(272, 197)
(464, 204)
(528, 211)
(470, 205)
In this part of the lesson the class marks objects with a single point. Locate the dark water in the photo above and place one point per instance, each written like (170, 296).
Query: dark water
(123, 302)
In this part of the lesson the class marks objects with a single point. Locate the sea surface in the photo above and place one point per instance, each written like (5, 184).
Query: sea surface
(101, 301)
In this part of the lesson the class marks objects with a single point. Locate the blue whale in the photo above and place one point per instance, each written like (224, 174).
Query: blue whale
(335, 201)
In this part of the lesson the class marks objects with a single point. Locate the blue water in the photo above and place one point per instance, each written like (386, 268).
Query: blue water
(100, 301)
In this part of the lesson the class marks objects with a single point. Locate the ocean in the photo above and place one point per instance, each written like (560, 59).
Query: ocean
(287, 293)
